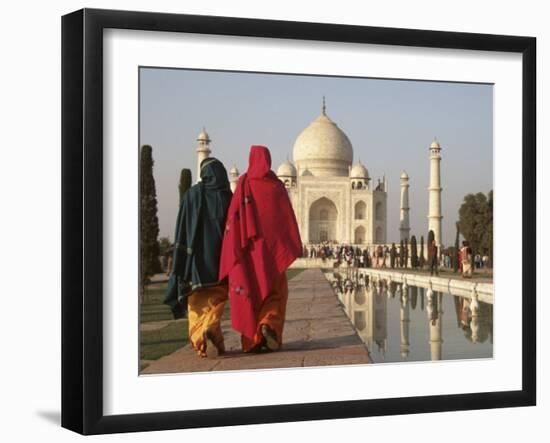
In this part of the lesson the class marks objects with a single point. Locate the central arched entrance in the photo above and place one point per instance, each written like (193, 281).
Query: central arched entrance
(323, 221)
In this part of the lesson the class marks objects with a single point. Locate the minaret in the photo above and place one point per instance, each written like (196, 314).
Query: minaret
(380, 319)
(404, 226)
(203, 150)
(233, 178)
(434, 209)
(405, 324)
(435, 312)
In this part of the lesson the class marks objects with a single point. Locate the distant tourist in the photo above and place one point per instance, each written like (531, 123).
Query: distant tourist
(433, 258)
(466, 260)
(477, 261)
(261, 241)
(393, 255)
(366, 257)
(398, 256)
(193, 285)
(379, 255)
(312, 252)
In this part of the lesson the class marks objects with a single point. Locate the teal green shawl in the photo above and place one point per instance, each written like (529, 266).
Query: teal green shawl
(198, 239)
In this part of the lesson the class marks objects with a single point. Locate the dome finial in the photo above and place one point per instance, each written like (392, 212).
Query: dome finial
(203, 136)
(324, 106)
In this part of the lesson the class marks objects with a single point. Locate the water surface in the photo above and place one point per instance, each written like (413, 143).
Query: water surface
(409, 323)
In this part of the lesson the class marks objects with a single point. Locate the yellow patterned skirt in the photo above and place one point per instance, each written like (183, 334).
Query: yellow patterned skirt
(272, 313)
(206, 306)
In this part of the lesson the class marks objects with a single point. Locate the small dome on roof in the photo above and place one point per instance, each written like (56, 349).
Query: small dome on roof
(286, 169)
(359, 171)
(404, 175)
(234, 171)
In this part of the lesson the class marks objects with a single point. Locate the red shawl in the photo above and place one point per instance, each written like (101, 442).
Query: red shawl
(261, 240)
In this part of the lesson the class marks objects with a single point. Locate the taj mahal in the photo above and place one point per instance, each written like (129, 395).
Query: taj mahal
(334, 199)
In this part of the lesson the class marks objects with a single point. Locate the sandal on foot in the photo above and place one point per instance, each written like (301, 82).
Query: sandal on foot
(211, 348)
(270, 338)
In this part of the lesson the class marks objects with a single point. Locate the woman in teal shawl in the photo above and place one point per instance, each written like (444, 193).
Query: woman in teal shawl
(193, 285)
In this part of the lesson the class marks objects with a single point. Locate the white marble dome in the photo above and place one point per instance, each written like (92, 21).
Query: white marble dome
(404, 175)
(435, 144)
(359, 171)
(323, 149)
(234, 171)
(286, 169)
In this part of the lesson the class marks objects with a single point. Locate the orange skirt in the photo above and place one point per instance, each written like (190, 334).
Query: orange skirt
(272, 313)
(206, 306)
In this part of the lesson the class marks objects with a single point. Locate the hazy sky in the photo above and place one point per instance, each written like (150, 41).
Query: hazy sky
(390, 124)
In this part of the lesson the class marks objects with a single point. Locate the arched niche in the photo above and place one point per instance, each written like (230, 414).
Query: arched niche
(323, 221)
(360, 210)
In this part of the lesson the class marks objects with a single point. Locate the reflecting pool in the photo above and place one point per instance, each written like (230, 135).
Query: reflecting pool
(400, 323)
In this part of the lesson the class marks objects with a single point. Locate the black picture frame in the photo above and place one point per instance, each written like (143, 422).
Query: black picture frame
(82, 218)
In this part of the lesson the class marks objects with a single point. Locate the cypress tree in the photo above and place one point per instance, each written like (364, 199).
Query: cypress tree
(406, 264)
(149, 263)
(476, 221)
(488, 243)
(401, 253)
(185, 182)
(457, 248)
(414, 253)
(422, 259)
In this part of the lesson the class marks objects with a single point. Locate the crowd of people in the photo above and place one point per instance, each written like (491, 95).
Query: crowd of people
(397, 256)
(383, 256)
(377, 256)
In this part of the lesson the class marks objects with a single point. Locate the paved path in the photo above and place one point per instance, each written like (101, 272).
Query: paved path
(159, 278)
(157, 325)
(317, 333)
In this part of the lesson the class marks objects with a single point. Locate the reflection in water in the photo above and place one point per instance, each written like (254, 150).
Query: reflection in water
(399, 322)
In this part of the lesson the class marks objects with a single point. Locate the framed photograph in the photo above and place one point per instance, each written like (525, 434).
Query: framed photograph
(268, 221)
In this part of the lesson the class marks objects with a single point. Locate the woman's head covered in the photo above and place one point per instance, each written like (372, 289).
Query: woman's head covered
(213, 173)
(259, 161)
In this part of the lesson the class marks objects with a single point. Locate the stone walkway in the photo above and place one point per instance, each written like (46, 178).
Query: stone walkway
(157, 325)
(159, 278)
(317, 333)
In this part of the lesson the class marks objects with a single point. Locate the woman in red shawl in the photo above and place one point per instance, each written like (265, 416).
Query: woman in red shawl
(261, 241)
